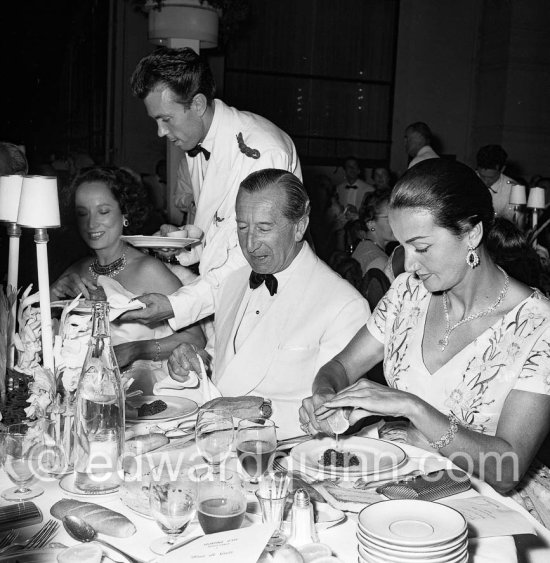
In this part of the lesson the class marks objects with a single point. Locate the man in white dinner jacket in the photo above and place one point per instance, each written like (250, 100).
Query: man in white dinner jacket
(223, 146)
(283, 315)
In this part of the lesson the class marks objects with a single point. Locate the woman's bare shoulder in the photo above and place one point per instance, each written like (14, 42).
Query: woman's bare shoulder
(150, 275)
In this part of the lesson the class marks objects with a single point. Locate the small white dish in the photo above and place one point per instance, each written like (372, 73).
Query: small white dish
(411, 523)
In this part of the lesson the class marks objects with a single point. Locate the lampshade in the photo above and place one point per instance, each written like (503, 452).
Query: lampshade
(39, 204)
(517, 195)
(536, 198)
(10, 192)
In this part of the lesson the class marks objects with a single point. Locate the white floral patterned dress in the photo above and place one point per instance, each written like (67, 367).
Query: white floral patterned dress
(514, 353)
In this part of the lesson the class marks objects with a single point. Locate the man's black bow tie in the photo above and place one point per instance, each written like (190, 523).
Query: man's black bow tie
(350, 187)
(270, 280)
(198, 149)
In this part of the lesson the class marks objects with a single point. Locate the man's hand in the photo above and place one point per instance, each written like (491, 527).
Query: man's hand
(69, 286)
(184, 359)
(158, 309)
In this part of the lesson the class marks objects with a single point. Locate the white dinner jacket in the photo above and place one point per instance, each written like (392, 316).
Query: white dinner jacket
(314, 316)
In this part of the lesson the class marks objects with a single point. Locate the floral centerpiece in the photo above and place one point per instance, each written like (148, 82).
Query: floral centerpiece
(51, 396)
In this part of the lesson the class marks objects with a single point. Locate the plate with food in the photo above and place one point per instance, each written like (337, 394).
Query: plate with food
(351, 456)
(170, 243)
(160, 408)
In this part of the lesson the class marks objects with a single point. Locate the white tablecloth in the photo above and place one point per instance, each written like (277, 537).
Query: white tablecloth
(341, 538)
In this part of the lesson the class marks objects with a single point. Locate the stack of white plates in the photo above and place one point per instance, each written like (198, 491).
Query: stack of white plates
(399, 531)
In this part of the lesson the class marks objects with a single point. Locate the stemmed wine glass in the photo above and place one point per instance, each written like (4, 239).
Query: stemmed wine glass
(22, 451)
(256, 444)
(173, 503)
(214, 434)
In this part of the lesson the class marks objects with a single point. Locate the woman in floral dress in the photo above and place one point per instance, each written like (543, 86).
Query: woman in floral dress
(466, 348)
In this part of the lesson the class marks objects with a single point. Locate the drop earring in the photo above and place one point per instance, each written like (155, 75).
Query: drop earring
(125, 222)
(472, 258)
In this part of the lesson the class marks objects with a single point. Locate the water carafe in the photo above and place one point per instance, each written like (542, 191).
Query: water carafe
(99, 420)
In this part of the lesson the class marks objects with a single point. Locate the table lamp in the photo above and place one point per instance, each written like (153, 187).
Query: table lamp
(10, 193)
(39, 210)
(535, 202)
(517, 199)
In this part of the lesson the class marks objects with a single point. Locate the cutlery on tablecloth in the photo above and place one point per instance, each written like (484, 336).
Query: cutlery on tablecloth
(40, 539)
(8, 538)
(19, 514)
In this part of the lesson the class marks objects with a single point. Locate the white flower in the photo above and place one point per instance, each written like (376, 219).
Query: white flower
(70, 379)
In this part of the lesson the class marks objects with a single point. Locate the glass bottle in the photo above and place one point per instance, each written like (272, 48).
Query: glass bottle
(99, 420)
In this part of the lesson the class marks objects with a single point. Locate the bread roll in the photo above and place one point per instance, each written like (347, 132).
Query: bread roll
(247, 406)
(145, 443)
(104, 520)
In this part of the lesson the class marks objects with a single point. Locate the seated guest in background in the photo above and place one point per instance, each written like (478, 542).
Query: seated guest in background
(325, 211)
(465, 346)
(12, 160)
(490, 163)
(283, 316)
(354, 189)
(108, 202)
(382, 178)
(418, 137)
(509, 248)
(370, 252)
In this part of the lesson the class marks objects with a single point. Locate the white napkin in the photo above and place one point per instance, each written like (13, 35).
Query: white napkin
(120, 299)
(197, 389)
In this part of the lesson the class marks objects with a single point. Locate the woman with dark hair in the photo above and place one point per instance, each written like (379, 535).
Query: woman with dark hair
(465, 346)
(109, 202)
(371, 251)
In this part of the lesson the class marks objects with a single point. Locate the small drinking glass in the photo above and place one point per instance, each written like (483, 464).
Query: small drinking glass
(272, 496)
(173, 503)
(214, 433)
(221, 502)
(22, 447)
(256, 444)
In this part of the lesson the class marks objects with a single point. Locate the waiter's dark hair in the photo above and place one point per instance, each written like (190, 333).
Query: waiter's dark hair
(451, 191)
(297, 201)
(182, 70)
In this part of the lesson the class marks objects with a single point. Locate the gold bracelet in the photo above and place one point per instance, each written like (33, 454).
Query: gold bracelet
(157, 353)
(449, 436)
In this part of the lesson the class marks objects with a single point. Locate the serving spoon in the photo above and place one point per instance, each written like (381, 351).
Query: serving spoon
(84, 532)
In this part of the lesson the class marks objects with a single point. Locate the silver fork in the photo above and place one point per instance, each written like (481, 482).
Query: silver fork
(8, 538)
(40, 539)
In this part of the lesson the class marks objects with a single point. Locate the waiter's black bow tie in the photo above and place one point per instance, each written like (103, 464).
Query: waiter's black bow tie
(270, 280)
(198, 149)
(350, 187)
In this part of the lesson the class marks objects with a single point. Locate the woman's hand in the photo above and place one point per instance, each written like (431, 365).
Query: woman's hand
(70, 285)
(184, 359)
(126, 353)
(308, 420)
(368, 398)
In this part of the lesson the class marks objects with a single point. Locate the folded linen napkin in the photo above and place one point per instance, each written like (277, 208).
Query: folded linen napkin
(198, 389)
(120, 299)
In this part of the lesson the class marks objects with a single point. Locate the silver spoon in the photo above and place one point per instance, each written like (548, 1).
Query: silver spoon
(83, 532)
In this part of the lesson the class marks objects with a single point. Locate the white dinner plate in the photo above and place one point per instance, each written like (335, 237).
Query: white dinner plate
(411, 522)
(375, 456)
(176, 407)
(83, 306)
(144, 241)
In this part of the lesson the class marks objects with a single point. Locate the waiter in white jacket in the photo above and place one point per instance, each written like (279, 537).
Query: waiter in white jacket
(223, 146)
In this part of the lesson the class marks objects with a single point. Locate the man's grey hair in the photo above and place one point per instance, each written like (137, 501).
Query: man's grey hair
(297, 201)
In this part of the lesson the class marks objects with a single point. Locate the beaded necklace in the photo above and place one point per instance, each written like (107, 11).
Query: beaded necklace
(111, 270)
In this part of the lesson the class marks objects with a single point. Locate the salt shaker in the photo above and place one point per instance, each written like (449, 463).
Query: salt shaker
(303, 524)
